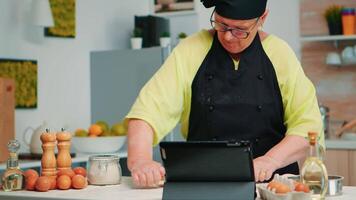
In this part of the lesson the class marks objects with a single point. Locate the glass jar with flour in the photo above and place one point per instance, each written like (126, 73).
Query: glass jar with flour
(104, 170)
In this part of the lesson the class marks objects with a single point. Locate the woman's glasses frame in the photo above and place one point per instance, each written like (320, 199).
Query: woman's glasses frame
(237, 33)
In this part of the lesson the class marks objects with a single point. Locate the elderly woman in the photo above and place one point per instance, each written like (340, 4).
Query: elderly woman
(233, 82)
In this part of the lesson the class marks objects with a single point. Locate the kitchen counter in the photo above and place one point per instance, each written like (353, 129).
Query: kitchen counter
(81, 158)
(124, 191)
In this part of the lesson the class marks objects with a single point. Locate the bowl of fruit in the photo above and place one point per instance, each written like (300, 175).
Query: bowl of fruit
(100, 138)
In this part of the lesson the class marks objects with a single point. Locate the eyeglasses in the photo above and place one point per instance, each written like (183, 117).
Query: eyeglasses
(238, 33)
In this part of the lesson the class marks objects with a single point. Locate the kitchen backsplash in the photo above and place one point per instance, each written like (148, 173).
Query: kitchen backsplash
(335, 84)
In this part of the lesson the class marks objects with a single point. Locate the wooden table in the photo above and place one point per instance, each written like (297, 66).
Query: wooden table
(124, 191)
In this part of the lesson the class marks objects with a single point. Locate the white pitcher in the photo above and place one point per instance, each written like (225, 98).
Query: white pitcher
(35, 143)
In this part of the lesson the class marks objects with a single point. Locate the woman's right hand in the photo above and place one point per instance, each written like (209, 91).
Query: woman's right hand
(147, 173)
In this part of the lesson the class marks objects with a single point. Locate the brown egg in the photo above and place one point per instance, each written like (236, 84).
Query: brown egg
(81, 171)
(79, 182)
(64, 182)
(68, 172)
(43, 184)
(300, 187)
(30, 183)
(282, 189)
(31, 173)
(273, 185)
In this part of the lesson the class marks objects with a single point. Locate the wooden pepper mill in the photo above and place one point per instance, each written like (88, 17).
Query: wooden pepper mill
(48, 161)
(64, 160)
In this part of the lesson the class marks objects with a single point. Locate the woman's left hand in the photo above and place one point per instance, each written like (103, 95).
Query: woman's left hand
(264, 167)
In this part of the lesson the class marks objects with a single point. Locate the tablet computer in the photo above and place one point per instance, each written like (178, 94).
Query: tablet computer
(206, 161)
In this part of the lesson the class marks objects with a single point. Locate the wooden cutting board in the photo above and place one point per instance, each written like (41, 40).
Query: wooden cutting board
(7, 115)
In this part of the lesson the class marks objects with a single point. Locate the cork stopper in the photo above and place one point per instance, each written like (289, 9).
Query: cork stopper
(312, 137)
(13, 147)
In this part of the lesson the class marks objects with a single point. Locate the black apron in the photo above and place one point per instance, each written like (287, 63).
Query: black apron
(243, 104)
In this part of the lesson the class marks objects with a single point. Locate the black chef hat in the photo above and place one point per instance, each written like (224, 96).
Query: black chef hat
(237, 9)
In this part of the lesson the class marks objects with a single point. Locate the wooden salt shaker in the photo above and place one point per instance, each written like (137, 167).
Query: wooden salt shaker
(48, 161)
(64, 160)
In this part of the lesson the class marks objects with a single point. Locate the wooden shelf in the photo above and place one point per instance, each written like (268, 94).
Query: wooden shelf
(327, 38)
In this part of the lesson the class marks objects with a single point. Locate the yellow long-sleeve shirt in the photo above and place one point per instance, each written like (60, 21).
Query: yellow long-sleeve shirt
(166, 98)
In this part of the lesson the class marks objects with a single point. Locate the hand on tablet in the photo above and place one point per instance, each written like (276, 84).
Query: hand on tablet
(264, 166)
(147, 174)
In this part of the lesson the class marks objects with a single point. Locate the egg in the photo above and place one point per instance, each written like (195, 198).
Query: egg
(43, 184)
(300, 187)
(30, 183)
(81, 171)
(79, 182)
(64, 182)
(273, 185)
(31, 173)
(282, 189)
(68, 172)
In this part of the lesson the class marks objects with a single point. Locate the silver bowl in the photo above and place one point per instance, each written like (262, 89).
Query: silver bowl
(334, 186)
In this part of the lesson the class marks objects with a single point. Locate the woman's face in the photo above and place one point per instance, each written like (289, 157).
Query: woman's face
(232, 44)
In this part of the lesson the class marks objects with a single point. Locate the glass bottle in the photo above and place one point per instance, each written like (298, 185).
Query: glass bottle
(13, 178)
(313, 172)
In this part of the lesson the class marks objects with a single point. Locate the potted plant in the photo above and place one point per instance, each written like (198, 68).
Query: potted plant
(333, 18)
(165, 39)
(181, 36)
(136, 39)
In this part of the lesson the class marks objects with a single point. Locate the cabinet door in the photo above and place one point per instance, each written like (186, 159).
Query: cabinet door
(352, 168)
(337, 163)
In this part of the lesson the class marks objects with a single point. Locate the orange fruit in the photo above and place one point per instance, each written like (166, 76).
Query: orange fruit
(80, 171)
(30, 183)
(53, 181)
(31, 173)
(79, 182)
(43, 184)
(95, 129)
(64, 182)
(68, 172)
